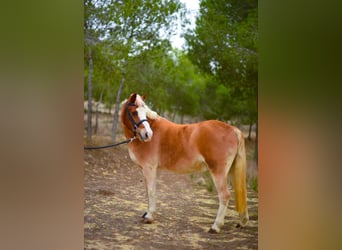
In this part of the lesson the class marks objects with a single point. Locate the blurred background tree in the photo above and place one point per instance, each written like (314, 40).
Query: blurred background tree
(215, 76)
(224, 45)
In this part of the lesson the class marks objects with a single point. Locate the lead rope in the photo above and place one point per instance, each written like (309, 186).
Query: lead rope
(135, 126)
(111, 145)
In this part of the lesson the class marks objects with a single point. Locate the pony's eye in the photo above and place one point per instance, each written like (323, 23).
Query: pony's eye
(135, 113)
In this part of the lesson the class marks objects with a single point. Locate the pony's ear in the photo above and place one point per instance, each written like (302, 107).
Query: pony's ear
(132, 97)
(143, 97)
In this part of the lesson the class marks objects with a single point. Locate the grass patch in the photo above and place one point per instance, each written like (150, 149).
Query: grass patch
(209, 181)
(253, 183)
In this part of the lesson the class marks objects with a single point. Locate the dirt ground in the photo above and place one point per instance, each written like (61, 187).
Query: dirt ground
(115, 200)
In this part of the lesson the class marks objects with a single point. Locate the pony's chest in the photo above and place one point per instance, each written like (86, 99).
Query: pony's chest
(140, 158)
(132, 156)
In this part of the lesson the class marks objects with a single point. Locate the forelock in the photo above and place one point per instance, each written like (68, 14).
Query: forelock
(149, 113)
(139, 101)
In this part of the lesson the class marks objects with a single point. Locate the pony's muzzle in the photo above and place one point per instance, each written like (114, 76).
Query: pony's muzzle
(145, 135)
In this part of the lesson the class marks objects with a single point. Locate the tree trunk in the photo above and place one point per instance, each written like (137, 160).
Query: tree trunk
(173, 116)
(256, 144)
(250, 132)
(97, 111)
(256, 131)
(116, 110)
(90, 89)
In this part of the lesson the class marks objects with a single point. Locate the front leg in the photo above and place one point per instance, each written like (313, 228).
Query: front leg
(150, 174)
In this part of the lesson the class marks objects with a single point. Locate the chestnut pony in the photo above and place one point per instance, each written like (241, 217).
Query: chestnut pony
(162, 144)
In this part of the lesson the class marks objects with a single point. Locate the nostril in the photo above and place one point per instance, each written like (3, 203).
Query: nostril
(146, 135)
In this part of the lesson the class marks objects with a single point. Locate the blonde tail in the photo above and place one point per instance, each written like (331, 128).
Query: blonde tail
(238, 174)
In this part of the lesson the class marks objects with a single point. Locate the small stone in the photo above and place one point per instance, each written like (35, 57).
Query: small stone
(200, 181)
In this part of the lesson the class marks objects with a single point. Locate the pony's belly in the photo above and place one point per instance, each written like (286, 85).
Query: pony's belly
(178, 165)
(184, 167)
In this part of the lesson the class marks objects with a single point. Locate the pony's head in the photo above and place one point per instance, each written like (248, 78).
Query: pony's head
(137, 112)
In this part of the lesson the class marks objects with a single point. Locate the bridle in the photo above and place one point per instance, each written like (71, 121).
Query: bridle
(134, 124)
(135, 127)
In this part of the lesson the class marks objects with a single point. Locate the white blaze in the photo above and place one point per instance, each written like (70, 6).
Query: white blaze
(142, 115)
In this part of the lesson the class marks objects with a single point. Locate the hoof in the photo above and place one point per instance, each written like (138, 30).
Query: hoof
(213, 231)
(240, 226)
(146, 219)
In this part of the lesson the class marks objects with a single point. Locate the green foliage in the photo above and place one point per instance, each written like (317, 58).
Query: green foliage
(188, 85)
(215, 79)
(209, 181)
(125, 39)
(224, 45)
(253, 182)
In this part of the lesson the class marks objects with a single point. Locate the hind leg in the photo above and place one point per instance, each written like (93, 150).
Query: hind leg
(220, 181)
(219, 172)
(244, 218)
